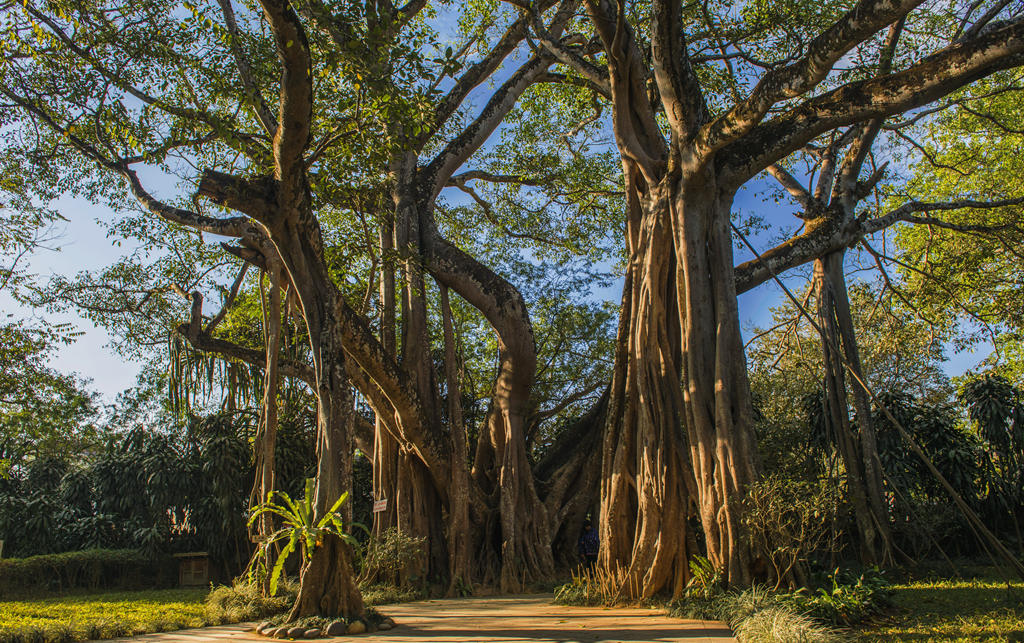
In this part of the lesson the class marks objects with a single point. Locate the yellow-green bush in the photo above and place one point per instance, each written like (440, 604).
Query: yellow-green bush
(99, 616)
(242, 601)
(86, 569)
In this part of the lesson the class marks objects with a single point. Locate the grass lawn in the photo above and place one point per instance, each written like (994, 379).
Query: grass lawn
(973, 609)
(78, 617)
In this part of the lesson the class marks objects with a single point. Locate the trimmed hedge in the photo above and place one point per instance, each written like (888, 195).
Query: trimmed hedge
(87, 569)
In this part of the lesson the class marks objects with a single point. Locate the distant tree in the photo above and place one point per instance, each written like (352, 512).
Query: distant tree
(43, 413)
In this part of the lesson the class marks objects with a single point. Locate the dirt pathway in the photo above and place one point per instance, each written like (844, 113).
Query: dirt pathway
(506, 619)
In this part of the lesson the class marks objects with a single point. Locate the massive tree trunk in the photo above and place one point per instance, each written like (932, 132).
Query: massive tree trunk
(502, 467)
(328, 579)
(719, 409)
(647, 481)
(669, 447)
(680, 427)
(327, 582)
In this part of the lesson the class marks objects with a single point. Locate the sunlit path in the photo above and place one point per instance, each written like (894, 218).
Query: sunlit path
(515, 618)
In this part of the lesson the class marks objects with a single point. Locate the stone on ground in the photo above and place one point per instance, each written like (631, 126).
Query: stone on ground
(356, 627)
(337, 628)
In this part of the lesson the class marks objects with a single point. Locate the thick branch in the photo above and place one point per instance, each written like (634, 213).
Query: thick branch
(482, 70)
(832, 235)
(933, 77)
(436, 175)
(681, 93)
(230, 227)
(803, 75)
(598, 76)
(232, 293)
(295, 111)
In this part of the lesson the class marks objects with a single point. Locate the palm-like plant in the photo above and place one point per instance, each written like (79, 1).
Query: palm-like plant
(300, 527)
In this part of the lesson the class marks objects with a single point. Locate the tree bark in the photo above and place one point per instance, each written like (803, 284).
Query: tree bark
(645, 491)
(460, 576)
(266, 439)
(502, 466)
(327, 584)
(717, 401)
(667, 446)
(858, 451)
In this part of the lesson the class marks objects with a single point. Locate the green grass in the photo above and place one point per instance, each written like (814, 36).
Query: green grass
(107, 615)
(951, 611)
(80, 616)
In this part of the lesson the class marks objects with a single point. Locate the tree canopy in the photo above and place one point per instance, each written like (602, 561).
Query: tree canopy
(399, 214)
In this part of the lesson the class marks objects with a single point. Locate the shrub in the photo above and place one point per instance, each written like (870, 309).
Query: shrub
(300, 528)
(90, 569)
(736, 608)
(705, 579)
(592, 587)
(99, 616)
(758, 614)
(789, 519)
(243, 601)
(782, 624)
(848, 601)
(388, 558)
(386, 594)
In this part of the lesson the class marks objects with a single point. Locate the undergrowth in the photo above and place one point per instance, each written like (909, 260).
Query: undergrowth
(757, 614)
(242, 601)
(845, 600)
(385, 594)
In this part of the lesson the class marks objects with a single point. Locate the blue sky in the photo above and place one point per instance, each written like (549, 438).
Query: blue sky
(85, 245)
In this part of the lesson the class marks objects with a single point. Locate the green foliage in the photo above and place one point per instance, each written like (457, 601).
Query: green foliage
(954, 451)
(158, 492)
(850, 599)
(996, 410)
(393, 557)
(903, 360)
(756, 615)
(778, 624)
(969, 151)
(243, 601)
(377, 594)
(100, 616)
(300, 527)
(43, 413)
(789, 519)
(88, 569)
(705, 578)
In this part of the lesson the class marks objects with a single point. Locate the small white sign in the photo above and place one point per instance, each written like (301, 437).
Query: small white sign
(380, 505)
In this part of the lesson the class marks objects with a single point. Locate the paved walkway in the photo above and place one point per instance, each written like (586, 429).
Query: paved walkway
(505, 619)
